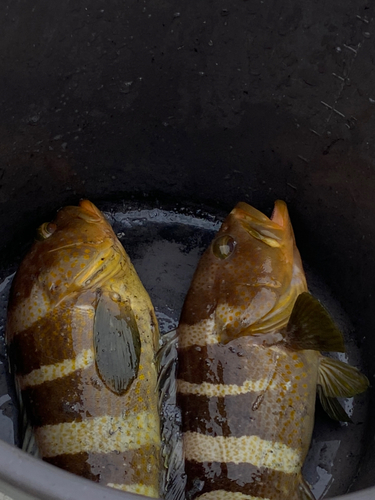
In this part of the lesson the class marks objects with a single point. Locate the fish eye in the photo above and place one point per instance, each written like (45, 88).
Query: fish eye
(45, 230)
(223, 246)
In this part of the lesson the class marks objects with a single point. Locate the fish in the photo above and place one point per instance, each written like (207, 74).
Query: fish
(82, 336)
(249, 342)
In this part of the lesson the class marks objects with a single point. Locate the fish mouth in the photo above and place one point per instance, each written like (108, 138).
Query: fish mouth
(259, 226)
(280, 215)
(89, 212)
(245, 211)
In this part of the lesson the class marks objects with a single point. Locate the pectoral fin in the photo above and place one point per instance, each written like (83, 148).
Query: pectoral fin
(311, 327)
(338, 379)
(117, 343)
(332, 407)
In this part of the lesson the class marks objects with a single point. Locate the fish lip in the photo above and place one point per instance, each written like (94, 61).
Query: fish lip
(89, 212)
(258, 225)
(246, 212)
(280, 214)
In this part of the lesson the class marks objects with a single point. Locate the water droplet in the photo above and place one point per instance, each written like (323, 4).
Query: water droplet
(115, 297)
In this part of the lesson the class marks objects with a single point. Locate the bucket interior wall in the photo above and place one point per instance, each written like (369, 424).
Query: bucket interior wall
(204, 104)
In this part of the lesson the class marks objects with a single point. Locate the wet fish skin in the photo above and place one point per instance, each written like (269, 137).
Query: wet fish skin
(82, 335)
(249, 363)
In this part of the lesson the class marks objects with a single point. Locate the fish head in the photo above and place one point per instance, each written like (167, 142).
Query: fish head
(78, 250)
(244, 274)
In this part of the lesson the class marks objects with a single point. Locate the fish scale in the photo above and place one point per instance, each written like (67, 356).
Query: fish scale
(74, 298)
(257, 428)
(249, 364)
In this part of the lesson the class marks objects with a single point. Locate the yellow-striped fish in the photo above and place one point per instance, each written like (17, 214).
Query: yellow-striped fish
(82, 335)
(249, 364)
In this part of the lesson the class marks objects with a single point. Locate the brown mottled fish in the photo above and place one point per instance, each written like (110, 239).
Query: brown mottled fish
(249, 364)
(82, 337)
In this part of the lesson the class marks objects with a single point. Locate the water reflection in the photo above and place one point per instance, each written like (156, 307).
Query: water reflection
(319, 464)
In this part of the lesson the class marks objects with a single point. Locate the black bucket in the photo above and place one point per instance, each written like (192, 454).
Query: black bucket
(173, 113)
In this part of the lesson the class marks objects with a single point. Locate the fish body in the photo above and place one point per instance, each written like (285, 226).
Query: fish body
(82, 335)
(249, 364)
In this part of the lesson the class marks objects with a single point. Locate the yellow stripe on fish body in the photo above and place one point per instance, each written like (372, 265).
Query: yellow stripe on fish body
(140, 489)
(249, 363)
(47, 373)
(221, 390)
(257, 429)
(90, 416)
(228, 495)
(99, 435)
(244, 449)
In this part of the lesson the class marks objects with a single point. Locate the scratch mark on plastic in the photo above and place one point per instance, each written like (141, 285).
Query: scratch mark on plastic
(338, 112)
(302, 158)
(350, 48)
(364, 20)
(339, 77)
(314, 132)
(326, 105)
